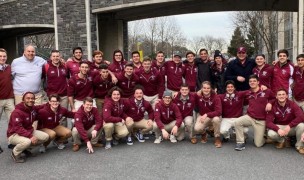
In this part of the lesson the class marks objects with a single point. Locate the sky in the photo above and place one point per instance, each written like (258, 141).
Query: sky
(216, 24)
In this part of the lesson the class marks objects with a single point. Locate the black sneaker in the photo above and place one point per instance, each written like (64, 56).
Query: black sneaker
(129, 140)
(239, 146)
(17, 159)
(1, 150)
(140, 137)
(225, 140)
(28, 153)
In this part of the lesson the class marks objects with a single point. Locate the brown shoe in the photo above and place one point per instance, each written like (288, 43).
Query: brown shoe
(218, 142)
(269, 141)
(204, 137)
(17, 159)
(287, 143)
(301, 150)
(97, 145)
(280, 145)
(75, 147)
(193, 140)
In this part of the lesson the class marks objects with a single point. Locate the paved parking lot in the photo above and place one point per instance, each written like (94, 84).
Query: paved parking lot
(150, 161)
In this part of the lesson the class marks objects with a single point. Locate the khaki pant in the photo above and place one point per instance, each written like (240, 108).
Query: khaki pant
(151, 100)
(59, 133)
(22, 143)
(140, 125)
(99, 104)
(258, 129)
(7, 105)
(64, 103)
(168, 127)
(215, 122)
(188, 121)
(295, 131)
(38, 98)
(227, 124)
(119, 130)
(77, 138)
(300, 104)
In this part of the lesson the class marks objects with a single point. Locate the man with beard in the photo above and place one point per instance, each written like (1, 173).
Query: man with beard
(73, 63)
(118, 62)
(127, 80)
(21, 130)
(136, 61)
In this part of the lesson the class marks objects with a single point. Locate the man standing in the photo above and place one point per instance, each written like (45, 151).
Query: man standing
(6, 86)
(80, 86)
(256, 114)
(27, 72)
(240, 69)
(152, 82)
(203, 67)
(55, 75)
(102, 83)
(218, 69)
(190, 71)
(6, 94)
(88, 125)
(136, 61)
(175, 71)
(135, 122)
(186, 102)
(298, 85)
(159, 63)
(282, 73)
(118, 62)
(127, 80)
(97, 61)
(73, 63)
(21, 132)
(285, 119)
(168, 120)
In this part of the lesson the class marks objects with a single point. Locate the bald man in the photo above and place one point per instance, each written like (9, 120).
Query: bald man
(26, 72)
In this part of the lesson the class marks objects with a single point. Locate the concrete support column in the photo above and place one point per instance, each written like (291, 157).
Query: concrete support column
(300, 28)
(111, 34)
(88, 28)
(55, 24)
(295, 36)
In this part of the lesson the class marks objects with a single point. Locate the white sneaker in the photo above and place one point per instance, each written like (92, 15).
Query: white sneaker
(173, 138)
(61, 146)
(108, 145)
(158, 140)
(42, 149)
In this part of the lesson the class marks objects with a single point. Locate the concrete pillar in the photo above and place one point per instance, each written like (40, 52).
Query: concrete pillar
(295, 36)
(110, 35)
(281, 30)
(10, 45)
(300, 26)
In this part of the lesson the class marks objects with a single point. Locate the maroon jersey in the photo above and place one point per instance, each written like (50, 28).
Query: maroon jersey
(165, 114)
(127, 85)
(232, 104)
(186, 107)
(6, 85)
(152, 82)
(102, 86)
(209, 105)
(282, 77)
(80, 88)
(298, 86)
(191, 76)
(114, 112)
(265, 75)
(175, 73)
(136, 110)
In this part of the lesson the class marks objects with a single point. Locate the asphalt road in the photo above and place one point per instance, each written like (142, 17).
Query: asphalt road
(156, 161)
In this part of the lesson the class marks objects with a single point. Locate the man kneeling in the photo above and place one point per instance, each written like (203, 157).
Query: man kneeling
(88, 124)
(168, 119)
(285, 119)
(21, 132)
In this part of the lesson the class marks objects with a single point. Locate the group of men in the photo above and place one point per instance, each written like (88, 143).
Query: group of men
(129, 99)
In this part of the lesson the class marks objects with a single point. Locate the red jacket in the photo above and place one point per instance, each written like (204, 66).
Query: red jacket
(84, 121)
(6, 85)
(117, 67)
(80, 88)
(211, 106)
(152, 82)
(265, 75)
(186, 108)
(298, 86)
(191, 76)
(114, 112)
(137, 112)
(72, 67)
(56, 79)
(102, 86)
(232, 105)
(165, 114)
(49, 119)
(291, 114)
(127, 85)
(21, 120)
(257, 103)
(282, 77)
(175, 73)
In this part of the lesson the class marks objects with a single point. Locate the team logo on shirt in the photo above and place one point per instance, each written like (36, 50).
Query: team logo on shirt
(74, 65)
(284, 71)
(156, 109)
(133, 108)
(49, 118)
(27, 118)
(189, 105)
(123, 83)
(277, 113)
(90, 78)
(288, 110)
(171, 67)
(17, 119)
(163, 113)
(105, 110)
(264, 73)
(178, 104)
(143, 109)
(262, 94)
(77, 119)
(52, 72)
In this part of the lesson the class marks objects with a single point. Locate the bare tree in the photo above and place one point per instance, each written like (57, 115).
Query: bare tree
(196, 43)
(219, 44)
(135, 35)
(208, 42)
(263, 26)
(151, 32)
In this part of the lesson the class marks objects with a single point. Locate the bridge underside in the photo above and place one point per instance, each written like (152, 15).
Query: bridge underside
(11, 38)
(149, 9)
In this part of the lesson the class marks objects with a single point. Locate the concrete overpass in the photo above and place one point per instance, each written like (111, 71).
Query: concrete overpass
(102, 24)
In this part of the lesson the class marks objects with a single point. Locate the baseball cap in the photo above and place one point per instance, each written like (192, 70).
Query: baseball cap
(177, 55)
(241, 49)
